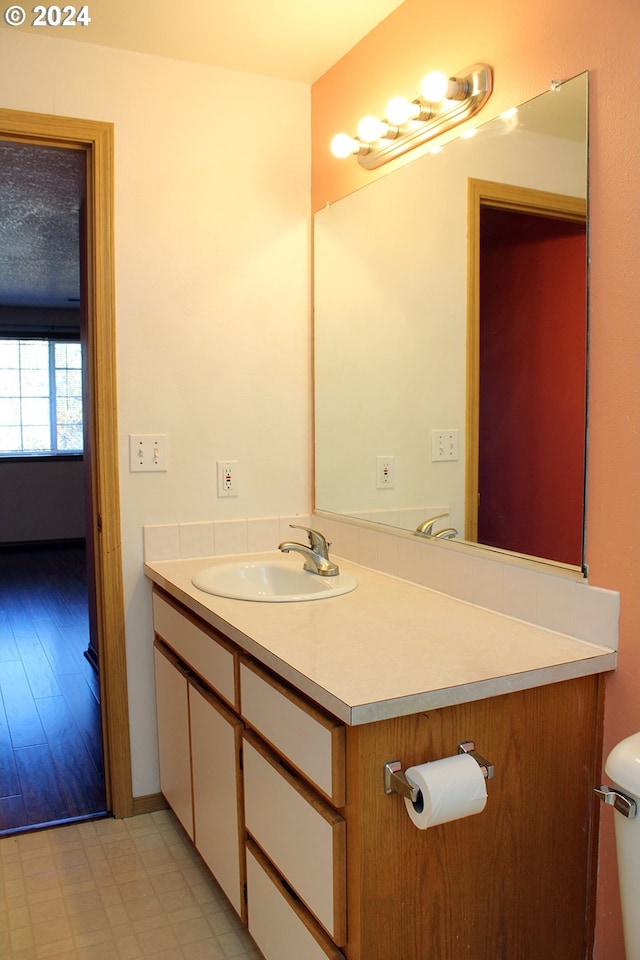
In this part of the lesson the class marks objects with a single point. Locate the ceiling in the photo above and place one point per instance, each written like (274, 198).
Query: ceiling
(290, 39)
(41, 188)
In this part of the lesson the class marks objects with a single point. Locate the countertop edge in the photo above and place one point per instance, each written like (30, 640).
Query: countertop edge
(393, 707)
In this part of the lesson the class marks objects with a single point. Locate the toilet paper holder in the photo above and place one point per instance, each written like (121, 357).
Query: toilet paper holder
(395, 779)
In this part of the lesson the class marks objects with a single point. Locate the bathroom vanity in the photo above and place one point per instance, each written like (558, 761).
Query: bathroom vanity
(275, 721)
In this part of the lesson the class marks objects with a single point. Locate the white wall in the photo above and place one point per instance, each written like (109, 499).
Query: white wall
(212, 173)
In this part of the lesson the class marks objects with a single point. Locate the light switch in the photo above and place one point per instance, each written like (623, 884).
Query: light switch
(148, 453)
(444, 445)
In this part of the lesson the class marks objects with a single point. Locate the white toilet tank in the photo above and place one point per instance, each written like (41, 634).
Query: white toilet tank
(623, 767)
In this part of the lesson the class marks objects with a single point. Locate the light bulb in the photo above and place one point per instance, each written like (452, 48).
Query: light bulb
(399, 110)
(371, 129)
(434, 86)
(343, 145)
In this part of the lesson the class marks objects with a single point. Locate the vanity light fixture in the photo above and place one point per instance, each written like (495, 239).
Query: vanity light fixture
(444, 102)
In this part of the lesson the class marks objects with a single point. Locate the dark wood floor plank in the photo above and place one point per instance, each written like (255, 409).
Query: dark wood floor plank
(42, 792)
(22, 715)
(12, 813)
(8, 648)
(85, 710)
(37, 667)
(62, 656)
(9, 782)
(51, 765)
(82, 784)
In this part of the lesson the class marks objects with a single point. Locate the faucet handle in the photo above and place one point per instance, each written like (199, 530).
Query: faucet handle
(425, 528)
(316, 540)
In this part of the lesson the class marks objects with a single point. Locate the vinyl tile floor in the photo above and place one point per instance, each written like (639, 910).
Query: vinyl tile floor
(114, 890)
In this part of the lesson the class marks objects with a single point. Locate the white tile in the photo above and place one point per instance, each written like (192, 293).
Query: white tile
(555, 603)
(458, 569)
(596, 615)
(519, 598)
(161, 541)
(410, 556)
(368, 548)
(343, 537)
(263, 534)
(196, 539)
(432, 572)
(388, 554)
(487, 588)
(389, 517)
(230, 536)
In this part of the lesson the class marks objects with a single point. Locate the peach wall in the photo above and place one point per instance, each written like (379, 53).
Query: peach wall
(528, 47)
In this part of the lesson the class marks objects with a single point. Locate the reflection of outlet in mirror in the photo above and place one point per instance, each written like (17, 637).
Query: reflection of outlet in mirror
(444, 445)
(227, 478)
(385, 473)
(148, 453)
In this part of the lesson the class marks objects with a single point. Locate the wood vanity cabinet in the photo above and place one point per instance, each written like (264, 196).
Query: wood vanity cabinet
(329, 866)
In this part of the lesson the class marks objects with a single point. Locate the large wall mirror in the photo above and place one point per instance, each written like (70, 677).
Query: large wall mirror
(450, 331)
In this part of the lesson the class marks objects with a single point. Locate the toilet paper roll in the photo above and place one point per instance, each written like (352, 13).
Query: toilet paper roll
(450, 789)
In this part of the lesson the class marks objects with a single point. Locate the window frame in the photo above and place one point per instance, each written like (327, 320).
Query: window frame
(51, 338)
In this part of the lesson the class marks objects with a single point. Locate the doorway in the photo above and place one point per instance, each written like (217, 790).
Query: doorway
(104, 567)
(527, 371)
(50, 731)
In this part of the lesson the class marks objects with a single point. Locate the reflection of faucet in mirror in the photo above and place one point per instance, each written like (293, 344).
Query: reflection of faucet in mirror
(316, 555)
(425, 529)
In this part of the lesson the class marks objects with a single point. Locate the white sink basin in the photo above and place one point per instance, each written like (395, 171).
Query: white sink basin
(270, 581)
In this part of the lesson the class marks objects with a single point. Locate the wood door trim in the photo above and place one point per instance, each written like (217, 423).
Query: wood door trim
(502, 196)
(96, 139)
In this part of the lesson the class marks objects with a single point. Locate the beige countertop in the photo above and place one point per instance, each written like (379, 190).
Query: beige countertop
(389, 648)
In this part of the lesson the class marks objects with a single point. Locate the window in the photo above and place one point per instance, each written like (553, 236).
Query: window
(40, 397)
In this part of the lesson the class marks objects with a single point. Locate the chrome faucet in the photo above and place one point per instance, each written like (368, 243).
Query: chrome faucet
(316, 555)
(425, 529)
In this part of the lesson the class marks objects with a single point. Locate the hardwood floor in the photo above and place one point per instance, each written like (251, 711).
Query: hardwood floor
(51, 766)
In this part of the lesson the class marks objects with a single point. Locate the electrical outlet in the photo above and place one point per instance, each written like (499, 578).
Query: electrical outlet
(444, 445)
(228, 478)
(385, 473)
(148, 453)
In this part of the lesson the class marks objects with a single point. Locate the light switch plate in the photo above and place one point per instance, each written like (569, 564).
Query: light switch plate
(444, 445)
(148, 453)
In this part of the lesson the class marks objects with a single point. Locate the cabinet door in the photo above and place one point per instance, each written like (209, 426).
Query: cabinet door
(172, 712)
(215, 744)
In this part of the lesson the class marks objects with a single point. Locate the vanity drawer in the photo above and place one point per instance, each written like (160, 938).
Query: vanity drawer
(277, 921)
(301, 834)
(201, 649)
(312, 741)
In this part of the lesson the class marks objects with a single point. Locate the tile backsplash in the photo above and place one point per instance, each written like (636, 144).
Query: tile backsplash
(547, 596)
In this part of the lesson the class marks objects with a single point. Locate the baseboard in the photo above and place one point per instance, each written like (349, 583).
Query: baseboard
(149, 804)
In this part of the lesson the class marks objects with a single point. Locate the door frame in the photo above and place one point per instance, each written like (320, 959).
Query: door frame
(504, 196)
(96, 139)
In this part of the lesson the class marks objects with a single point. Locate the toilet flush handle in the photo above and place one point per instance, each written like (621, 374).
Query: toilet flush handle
(618, 800)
